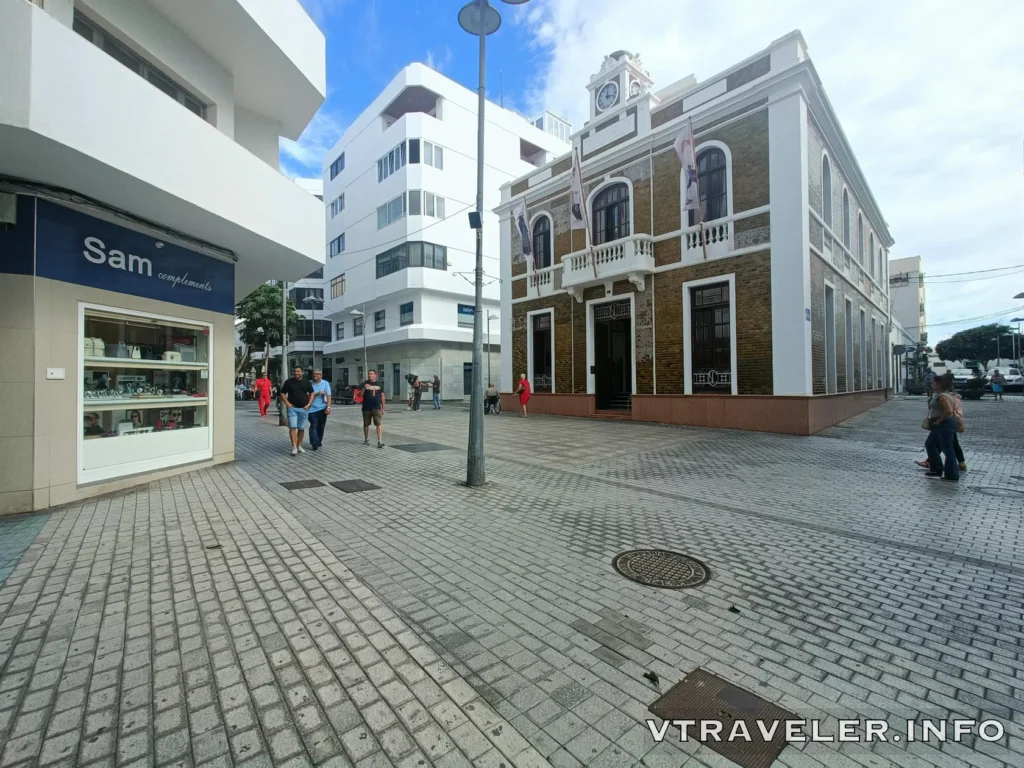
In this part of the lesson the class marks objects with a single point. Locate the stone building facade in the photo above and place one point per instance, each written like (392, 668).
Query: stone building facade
(770, 315)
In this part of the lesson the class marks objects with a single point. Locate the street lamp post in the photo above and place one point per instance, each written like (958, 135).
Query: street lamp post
(479, 18)
(490, 317)
(1018, 353)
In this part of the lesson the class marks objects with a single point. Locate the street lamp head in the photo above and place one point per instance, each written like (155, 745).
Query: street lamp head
(1019, 296)
(356, 313)
(470, 18)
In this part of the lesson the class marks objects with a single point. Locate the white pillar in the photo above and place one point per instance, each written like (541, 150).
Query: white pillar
(505, 228)
(790, 239)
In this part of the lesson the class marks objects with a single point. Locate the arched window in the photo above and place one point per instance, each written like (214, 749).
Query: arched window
(826, 192)
(713, 180)
(611, 214)
(860, 238)
(881, 265)
(846, 219)
(542, 242)
(871, 253)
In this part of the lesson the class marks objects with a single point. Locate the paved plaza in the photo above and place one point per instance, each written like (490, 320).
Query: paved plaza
(218, 618)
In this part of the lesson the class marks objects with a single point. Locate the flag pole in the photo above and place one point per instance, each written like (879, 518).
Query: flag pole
(586, 218)
(696, 179)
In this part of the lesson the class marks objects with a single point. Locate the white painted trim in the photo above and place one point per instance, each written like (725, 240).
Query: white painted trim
(844, 212)
(687, 321)
(826, 284)
(610, 182)
(591, 389)
(529, 346)
(862, 326)
(143, 465)
(551, 238)
(821, 169)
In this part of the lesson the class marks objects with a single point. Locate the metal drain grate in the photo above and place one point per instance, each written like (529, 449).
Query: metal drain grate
(661, 568)
(703, 696)
(424, 447)
(1004, 493)
(354, 486)
(298, 485)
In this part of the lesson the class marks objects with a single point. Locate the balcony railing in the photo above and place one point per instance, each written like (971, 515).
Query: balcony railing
(717, 239)
(630, 257)
(544, 282)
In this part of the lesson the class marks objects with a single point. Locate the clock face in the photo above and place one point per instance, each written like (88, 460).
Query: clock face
(634, 89)
(608, 95)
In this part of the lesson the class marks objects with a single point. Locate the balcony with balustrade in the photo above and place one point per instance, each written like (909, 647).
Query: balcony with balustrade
(628, 258)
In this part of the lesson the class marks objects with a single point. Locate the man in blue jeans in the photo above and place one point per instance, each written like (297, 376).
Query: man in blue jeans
(319, 411)
(297, 396)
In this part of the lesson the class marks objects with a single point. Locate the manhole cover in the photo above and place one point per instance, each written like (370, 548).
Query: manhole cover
(707, 698)
(424, 447)
(661, 568)
(298, 485)
(1005, 493)
(354, 486)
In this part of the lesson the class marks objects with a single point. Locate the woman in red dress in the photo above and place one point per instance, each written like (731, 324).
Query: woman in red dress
(524, 392)
(262, 390)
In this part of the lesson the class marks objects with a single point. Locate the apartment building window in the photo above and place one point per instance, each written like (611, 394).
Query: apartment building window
(379, 321)
(339, 331)
(338, 286)
(391, 162)
(426, 204)
(391, 211)
(338, 205)
(413, 254)
(357, 328)
(136, 64)
(304, 330)
(433, 155)
(300, 295)
(405, 314)
(338, 165)
(337, 245)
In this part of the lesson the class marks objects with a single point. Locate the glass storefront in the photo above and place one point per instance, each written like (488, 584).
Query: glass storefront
(146, 396)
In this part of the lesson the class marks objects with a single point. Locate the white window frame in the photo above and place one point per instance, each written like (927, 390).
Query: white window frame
(591, 385)
(529, 346)
(612, 181)
(683, 217)
(863, 349)
(831, 383)
(825, 161)
(687, 336)
(153, 464)
(851, 384)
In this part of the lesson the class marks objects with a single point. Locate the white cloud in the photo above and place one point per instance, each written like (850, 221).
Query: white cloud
(929, 94)
(306, 156)
(439, 61)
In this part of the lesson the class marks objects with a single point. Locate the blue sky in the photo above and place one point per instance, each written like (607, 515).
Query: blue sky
(931, 102)
(369, 41)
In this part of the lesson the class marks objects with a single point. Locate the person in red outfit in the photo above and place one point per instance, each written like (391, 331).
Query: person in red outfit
(524, 392)
(262, 390)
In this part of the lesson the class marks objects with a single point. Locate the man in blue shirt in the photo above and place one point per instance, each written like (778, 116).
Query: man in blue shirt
(373, 407)
(319, 410)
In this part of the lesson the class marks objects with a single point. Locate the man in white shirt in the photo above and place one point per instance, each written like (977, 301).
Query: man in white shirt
(319, 410)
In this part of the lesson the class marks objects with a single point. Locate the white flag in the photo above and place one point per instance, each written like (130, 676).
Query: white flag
(576, 213)
(519, 218)
(684, 148)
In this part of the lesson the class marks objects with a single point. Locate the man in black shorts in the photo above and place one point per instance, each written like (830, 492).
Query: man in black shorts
(373, 408)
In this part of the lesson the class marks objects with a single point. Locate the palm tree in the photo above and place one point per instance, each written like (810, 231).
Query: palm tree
(260, 312)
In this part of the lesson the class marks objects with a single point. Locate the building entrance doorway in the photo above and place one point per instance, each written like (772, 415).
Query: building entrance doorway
(613, 356)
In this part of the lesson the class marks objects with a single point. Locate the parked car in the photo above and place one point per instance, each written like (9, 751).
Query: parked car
(1014, 380)
(960, 377)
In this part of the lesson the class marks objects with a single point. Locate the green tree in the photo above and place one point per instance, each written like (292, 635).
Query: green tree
(974, 343)
(261, 313)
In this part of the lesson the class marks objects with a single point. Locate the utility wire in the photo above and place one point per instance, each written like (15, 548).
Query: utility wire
(993, 316)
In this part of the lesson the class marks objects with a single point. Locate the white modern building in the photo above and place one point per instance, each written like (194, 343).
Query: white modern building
(399, 187)
(140, 198)
(907, 291)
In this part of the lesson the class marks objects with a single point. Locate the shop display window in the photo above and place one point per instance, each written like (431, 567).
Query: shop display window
(143, 378)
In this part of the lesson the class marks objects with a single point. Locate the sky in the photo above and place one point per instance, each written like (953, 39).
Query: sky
(929, 93)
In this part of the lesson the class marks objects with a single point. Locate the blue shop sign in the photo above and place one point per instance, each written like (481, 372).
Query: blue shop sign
(76, 248)
(467, 311)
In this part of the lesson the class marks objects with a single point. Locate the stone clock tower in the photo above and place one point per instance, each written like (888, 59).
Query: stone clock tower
(621, 79)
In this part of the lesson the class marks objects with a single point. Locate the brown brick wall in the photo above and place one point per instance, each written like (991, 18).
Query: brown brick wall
(753, 321)
(562, 305)
(752, 71)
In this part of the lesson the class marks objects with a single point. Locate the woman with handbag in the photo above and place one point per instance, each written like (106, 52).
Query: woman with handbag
(943, 424)
(961, 462)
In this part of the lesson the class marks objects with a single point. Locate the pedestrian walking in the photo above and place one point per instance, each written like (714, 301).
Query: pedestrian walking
(943, 424)
(297, 396)
(490, 398)
(523, 390)
(436, 387)
(961, 461)
(319, 411)
(417, 393)
(261, 389)
(998, 384)
(373, 408)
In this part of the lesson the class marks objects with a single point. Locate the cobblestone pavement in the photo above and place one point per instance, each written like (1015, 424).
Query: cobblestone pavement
(424, 623)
